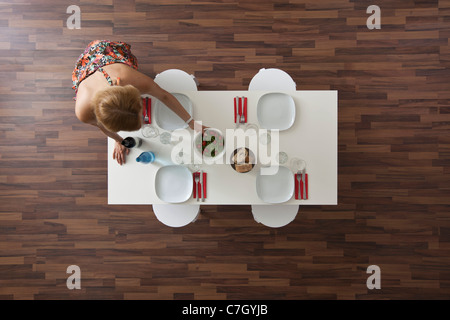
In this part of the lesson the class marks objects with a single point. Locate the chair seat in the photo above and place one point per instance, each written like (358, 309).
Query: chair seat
(272, 79)
(174, 80)
(274, 216)
(176, 215)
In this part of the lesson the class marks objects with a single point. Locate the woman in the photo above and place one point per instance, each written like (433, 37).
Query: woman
(108, 91)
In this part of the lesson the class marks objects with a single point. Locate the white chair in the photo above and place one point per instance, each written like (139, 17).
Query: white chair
(272, 79)
(174, 80)
(176, 215)
(274, 216)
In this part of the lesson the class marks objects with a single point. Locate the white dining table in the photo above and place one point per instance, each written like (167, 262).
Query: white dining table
(313, 137)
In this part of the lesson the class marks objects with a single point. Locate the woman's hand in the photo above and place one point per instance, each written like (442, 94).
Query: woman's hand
(196, 126)
(119, 152)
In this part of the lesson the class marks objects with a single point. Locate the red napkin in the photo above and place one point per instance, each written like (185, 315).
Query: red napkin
(245, 109)
(204, 184)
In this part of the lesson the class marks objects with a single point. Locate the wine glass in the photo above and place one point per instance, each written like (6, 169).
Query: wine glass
(251, 128)
(265, 138)
(297, 164)
(149, 131)
(165, 137)
(282, 157)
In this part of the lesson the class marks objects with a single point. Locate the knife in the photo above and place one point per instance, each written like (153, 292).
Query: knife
(301, 186)
(202, 182)
(149, 110)
(195, 185)
(240, 109)
(144, 110)
(235, 109)
(306, 185)
(204, 186)
(245, 109)
(199, 186)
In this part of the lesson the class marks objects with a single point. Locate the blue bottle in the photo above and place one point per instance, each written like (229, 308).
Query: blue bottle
(146, 157)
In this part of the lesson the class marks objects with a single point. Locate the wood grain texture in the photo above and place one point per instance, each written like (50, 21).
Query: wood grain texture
(394, 153)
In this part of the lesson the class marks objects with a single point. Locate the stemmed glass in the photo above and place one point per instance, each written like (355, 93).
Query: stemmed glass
(149, 131)
(297, 165)
(265, 138)
(282, 157)
(165, 137)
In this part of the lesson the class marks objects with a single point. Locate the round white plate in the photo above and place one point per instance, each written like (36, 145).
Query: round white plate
(167, 119)
(276, 111)
(276, 188)
(173, 184)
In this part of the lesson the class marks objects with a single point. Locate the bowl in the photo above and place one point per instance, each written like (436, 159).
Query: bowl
(244, 161)
(210, 144)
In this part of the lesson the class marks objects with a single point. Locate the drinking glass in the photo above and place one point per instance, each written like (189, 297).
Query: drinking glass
(149, 131)
(282, 157)
(194, 167)
(265, 138)
(297, 164)
(179, 158)
(251, 128)
(165, 137)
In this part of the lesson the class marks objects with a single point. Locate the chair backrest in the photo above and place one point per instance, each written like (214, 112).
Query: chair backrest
(272, 79)
(176, 215)
(175, 80)
(274, 216)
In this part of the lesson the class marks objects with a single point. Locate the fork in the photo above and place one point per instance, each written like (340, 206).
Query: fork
(146, 110)
(241, 111)
(297, 183)
(302, 181)
(238, 106)
(197, 182)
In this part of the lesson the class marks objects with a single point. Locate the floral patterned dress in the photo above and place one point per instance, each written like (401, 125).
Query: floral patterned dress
(98, 54)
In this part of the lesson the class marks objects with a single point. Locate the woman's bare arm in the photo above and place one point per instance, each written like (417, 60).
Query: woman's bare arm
(146, 85)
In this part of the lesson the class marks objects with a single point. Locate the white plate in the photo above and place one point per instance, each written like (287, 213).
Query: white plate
(167, 119)
(276, 111)
(276, 188)
(173, 184)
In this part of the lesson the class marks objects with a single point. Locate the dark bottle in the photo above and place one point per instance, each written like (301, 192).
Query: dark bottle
(131, 142)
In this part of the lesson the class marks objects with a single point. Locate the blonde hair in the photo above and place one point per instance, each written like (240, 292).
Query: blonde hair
(119, 108)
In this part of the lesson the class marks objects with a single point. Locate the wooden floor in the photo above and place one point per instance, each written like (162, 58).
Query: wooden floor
(394, 153)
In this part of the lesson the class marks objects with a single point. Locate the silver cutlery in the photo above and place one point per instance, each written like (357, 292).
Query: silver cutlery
(238, 107)
(299, 179)
(197, 183)
(301, 183)
(201, 182)
(146, 110)
(302, 189)
(240, 110)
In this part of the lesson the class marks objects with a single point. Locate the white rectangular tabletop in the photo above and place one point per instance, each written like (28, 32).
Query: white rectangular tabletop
(312, 137)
